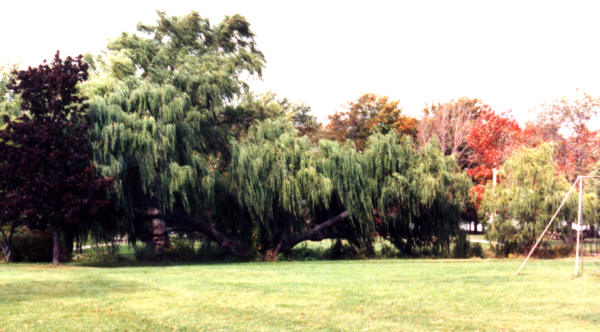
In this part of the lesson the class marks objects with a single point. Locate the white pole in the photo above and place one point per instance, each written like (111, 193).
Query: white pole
(494, 177)
(547, 226)
(578, 225)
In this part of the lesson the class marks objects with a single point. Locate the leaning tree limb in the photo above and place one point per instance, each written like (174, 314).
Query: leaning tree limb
(316, 233)
(196, 225)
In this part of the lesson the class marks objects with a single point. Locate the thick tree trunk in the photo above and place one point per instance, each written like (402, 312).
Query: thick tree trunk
(55, 245)
(271, 254)
(6, 243)
(6, 252)
(316, 233)
(160, 236)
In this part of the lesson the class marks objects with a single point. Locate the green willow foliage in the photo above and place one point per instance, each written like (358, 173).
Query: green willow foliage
(156, 104)
(419, 195)
(412, 197)
(528, 194)
(277, 181)
(173, 123)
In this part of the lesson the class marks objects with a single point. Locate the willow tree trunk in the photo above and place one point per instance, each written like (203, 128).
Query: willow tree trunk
(55, 245)
(6, 252)
(316, 233)
(160, 237)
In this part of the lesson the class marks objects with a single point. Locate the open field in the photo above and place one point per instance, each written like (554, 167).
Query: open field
(371, 295)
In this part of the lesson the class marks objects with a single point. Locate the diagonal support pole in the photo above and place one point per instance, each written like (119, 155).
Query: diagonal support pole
(579, 216)
(548, 226)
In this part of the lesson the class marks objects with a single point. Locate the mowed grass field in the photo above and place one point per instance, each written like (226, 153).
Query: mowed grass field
(365, 295)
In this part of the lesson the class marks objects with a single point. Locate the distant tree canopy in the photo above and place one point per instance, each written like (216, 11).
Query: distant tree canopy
(9, 101)
(565, 123)
(367, 115)
(451, 123)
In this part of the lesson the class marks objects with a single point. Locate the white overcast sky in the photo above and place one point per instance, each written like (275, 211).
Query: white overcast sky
(511, 54)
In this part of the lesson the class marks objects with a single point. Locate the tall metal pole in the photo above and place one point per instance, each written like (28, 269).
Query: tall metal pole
(578, 225)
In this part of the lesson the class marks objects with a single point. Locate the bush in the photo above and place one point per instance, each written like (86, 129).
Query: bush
(461, 247)
(181, 250)
(465, 249)
(342, 250)
(388, 251)
(558, 251)
(35, 246)
(476, 250)
(145, 252)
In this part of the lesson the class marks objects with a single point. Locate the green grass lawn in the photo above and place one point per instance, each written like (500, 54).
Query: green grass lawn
(367, 295)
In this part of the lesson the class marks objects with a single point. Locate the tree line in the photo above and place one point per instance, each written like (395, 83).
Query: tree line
(160, 134)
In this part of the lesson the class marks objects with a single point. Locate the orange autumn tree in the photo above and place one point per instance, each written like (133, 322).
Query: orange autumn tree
(370, 113)
(492, 139)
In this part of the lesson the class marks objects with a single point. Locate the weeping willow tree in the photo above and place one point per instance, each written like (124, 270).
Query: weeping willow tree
(294, 190)
(418, 195)
(157, 104)
(528, 193)
(277, 179)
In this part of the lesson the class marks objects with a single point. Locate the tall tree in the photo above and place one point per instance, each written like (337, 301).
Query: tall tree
(46, 176)
(565, 123)
(157, 106)
(301, 192)
(529, 193)
(451, 123)
(492, 139)
(306, 123)
(369, 114)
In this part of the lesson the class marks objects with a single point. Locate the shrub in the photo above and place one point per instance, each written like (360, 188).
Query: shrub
(560, 250)
(35, 246)
(181, 250)
(342, 250)
(476, 250)
(145, 252)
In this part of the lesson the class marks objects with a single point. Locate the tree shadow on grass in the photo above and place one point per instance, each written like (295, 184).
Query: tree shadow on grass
(157, 263)
(40, 290)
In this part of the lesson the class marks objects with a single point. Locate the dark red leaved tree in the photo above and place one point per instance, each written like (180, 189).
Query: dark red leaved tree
(47, 180)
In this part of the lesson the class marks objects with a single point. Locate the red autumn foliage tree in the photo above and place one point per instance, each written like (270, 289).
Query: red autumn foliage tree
(564, 123)
(369, 114)
(492, 139)
(46, 178)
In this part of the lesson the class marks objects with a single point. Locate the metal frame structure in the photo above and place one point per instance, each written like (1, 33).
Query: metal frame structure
(579, 181)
